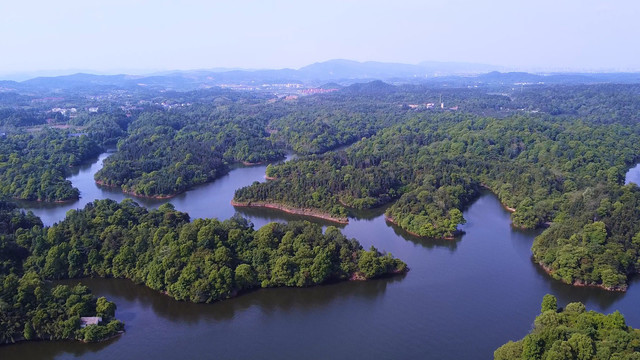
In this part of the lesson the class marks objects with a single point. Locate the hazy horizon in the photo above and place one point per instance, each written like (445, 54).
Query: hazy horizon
(154, 36)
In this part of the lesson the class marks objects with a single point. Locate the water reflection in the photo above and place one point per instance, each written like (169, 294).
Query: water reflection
(484, 279)
(262, 216)
(283, 300)
(587, 294)
(48, 350)
(427, 243)
(367, 214)
(146, 313)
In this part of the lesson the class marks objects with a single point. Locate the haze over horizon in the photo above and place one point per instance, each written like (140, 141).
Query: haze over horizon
(148, 36)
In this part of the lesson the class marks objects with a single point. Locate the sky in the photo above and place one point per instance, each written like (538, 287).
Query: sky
(140, 36)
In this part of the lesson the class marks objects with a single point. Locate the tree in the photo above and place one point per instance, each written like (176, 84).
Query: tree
(509, 351)
(560, 350)
(549, 302)
(105, 308)
(245, 276)
(28, 333)
(582, 346)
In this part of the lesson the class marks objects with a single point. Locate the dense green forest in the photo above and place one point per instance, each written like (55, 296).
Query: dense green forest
(201, 261)
(435, 165)
(34, 166)
(163, 152)
(166, 153)
(32, 308)
(574, 333)
(556, 154)
(563, 169)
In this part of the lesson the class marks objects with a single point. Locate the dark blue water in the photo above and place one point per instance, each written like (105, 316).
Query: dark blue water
(461, 300)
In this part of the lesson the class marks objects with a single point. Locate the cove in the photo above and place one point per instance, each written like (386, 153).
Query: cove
(633, 175)
(461, 300)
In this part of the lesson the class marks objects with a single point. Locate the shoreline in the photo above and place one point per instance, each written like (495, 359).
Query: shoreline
(164, 197)
(392, 221)
(133, 193)
(292, 210)
(358, 276)
(21, 339)
(509, 209)
(580, 283)
(66, 201)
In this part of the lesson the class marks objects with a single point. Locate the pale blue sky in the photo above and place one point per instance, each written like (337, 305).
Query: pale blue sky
(141, 35)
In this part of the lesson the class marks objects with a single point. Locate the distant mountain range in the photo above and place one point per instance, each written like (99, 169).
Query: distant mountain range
(342, 72)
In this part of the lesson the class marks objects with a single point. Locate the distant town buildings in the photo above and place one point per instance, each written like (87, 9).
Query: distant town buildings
(429, 106)
(63, 111)
(317, 91)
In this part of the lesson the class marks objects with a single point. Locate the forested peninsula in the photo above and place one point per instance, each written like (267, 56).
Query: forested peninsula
(34, 166)
(165, 153)
(574, 333)
(204, 260)
(33, 308)
(562, 168)
(556, 154)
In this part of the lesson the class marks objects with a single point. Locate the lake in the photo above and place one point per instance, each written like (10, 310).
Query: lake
(461, 300)
(633, 175)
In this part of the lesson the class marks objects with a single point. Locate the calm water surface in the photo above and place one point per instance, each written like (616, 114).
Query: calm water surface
(633, 175)
(461, 300)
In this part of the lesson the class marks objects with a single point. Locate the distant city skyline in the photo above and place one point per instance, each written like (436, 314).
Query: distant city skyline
(144, 36)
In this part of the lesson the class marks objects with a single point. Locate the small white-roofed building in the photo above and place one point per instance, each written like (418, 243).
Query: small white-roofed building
(90, 320)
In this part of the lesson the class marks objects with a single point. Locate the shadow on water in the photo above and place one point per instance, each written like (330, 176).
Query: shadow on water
(585, 294)
(126, 293)
(484, 279)
(377, 215)
(142, 308)
(428, 243)
(266, 215)
(368, 214)
(46, 350)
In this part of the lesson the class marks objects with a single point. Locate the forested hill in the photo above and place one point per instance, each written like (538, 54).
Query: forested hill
(32, 308)
(556, 154)
(565, 168)
(204, 260)
(337, 70)
(167, 152)
(34, 167)
(574, 333)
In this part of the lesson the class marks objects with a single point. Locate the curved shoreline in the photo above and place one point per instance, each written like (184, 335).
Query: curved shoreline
(21, 339)
(392, 221)
(292, 210)
(580, 283)
(248, 163)
(509, 209)
(133, 193)
(65, 201)
(163, 197)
